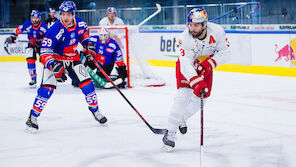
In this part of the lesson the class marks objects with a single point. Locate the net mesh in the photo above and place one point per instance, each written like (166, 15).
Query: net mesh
(139, 71)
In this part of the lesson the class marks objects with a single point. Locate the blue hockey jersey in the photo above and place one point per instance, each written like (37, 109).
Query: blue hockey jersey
(61, 41)
(107, 53)
(35, 34)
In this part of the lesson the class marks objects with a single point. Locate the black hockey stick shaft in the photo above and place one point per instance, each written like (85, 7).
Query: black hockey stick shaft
(154, 130)
(201, 126)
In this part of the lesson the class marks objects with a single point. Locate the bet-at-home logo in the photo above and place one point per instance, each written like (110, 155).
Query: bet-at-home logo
(168, 45)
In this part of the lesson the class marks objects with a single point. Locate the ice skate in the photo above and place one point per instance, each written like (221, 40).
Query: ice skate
(33, 84)
(32, 125)
(183, 128)
(98, 116)
(168, 140)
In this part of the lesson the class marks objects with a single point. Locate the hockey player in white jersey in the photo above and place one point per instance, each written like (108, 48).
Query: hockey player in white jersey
(203, 48)
(111, 19)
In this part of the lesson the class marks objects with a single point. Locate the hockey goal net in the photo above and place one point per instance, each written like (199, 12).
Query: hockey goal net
(138, 69)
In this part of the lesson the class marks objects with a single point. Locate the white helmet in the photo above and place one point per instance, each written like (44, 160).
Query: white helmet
(104, 35)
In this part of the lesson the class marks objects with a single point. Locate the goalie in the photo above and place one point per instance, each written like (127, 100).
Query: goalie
(107, 52)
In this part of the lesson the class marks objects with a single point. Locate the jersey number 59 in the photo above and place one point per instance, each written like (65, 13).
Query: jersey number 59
(47, 42)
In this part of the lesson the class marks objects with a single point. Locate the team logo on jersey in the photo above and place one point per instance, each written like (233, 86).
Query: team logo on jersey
(109, 50)
(101, 47)
(72, 35)
(80, 32)
(72, 41)
(101, 51)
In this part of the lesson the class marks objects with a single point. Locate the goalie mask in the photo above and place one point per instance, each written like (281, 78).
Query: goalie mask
(104, 35)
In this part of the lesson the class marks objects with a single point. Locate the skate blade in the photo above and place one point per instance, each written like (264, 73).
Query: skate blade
(167, 148)
(102, 124)
(32, 86)
(31, 130)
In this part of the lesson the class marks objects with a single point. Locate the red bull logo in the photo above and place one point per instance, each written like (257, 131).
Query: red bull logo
(287, 52)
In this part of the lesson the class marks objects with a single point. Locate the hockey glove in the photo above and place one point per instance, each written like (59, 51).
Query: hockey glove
(91, 47)
(56, 67)
(122, 73)
(207, 66)
(61, 78)
(198, 85)
(12, 38)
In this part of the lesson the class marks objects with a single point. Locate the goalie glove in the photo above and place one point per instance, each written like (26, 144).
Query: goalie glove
(207, 66)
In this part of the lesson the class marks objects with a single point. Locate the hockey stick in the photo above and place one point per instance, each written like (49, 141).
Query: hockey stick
(154, 130)
(201, 126)
(148, 18)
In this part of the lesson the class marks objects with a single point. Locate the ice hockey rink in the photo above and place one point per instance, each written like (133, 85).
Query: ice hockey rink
(249, 121)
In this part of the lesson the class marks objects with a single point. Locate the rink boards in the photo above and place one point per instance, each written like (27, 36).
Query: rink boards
(270, 53)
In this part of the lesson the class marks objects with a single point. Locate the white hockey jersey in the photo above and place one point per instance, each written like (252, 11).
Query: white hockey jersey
(215, 44)
(117, 22)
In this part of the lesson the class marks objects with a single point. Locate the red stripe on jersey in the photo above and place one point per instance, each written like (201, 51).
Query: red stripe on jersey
(47, 87)
(120, 63)
(45, 58)
(83, 84)
(85, 35)
(66, 58)
(70, 51)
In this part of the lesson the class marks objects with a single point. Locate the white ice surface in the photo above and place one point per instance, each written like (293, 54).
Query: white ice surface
(249, 122)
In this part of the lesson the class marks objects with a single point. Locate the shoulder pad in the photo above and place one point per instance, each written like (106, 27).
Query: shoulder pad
(93, 39)
(112, 45)
(82, 24)
(43, 29)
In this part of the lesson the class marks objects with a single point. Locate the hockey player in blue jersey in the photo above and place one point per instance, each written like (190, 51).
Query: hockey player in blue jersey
(36, 30)
(107, 52)
(58, 51)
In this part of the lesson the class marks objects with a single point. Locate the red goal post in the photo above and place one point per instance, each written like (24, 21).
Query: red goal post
(139, 72)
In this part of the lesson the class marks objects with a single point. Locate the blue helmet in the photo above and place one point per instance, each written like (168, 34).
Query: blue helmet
(35, 13)
(197, 15)
(111, 10)
(68, 6)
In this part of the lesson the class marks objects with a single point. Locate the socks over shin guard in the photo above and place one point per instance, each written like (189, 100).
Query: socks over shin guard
(43, 95)
(88, 90)
(32, 68)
